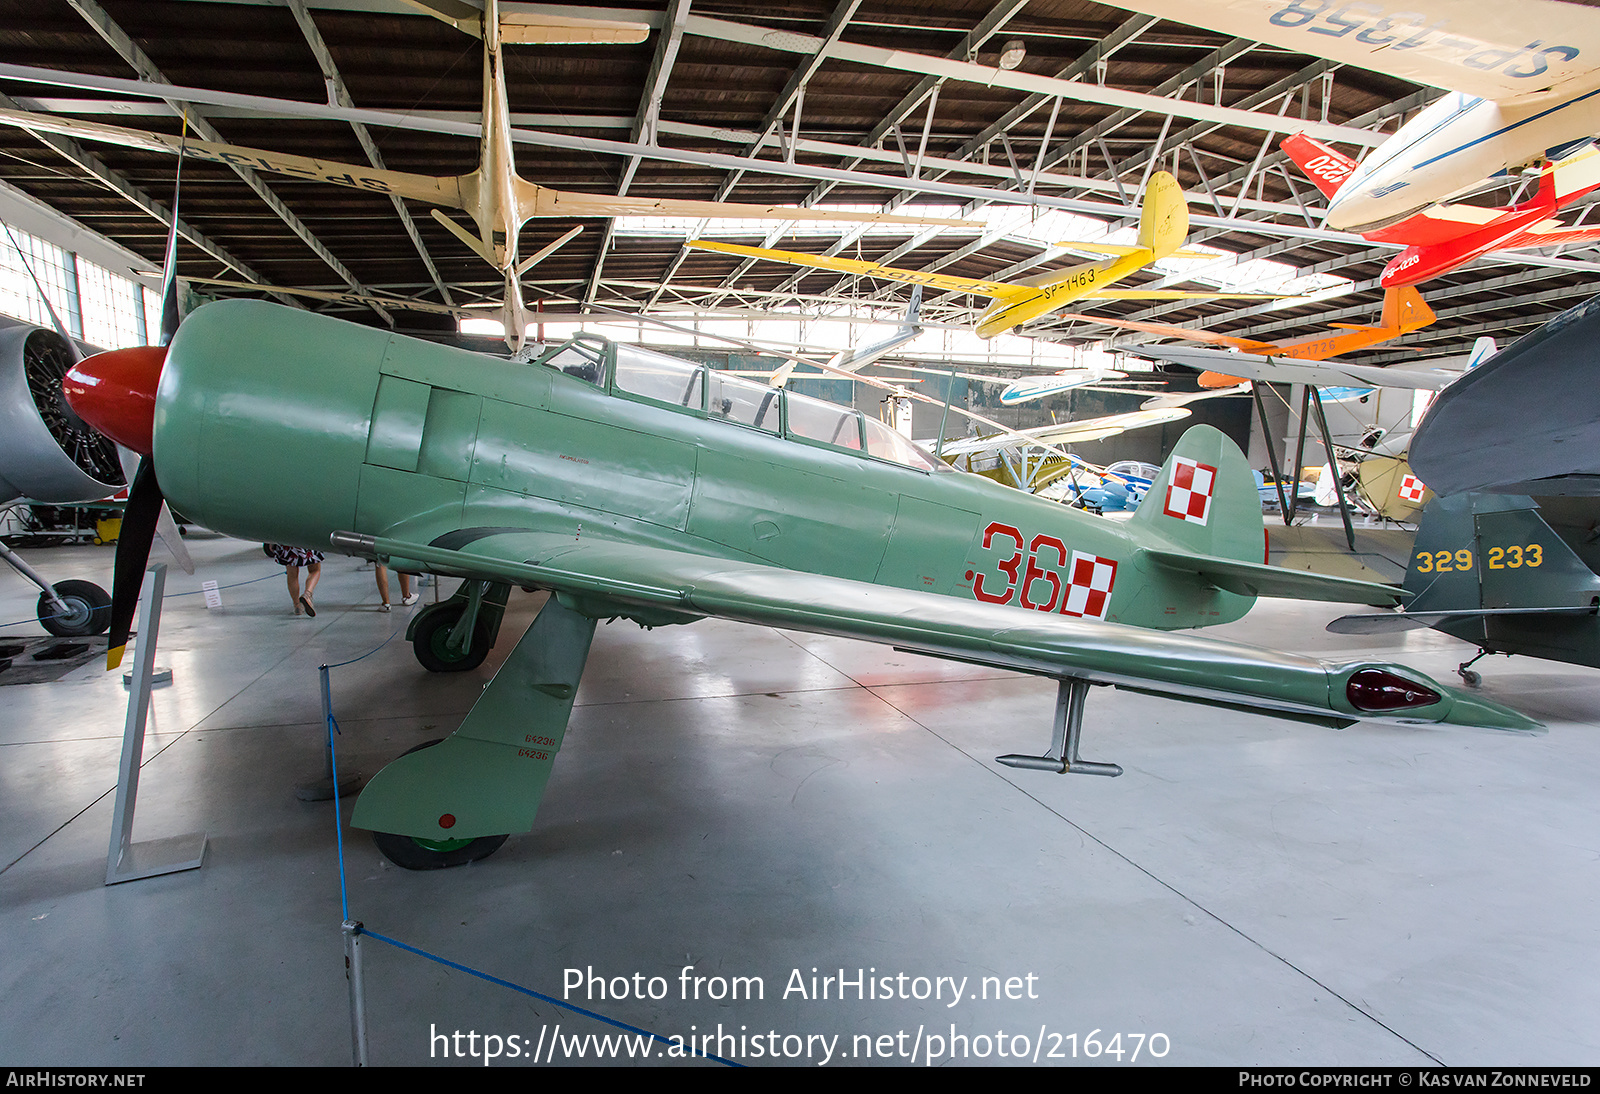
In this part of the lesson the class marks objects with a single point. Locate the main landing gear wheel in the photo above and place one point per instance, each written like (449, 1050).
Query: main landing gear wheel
(432, 647)
(426, 854)
(88, 610)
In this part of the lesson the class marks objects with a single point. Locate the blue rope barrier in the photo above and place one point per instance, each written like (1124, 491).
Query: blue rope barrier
(654, 1037)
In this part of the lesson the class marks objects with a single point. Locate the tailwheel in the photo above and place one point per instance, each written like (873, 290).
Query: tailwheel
(432, 646)
(1464, 670)
(425, 854)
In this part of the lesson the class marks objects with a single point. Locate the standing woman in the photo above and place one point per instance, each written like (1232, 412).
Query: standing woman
(292, 558)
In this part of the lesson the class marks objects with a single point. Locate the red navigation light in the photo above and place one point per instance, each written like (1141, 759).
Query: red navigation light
(1375, 690)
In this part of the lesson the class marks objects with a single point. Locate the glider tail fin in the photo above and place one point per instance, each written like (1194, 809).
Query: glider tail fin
(1322, 165)
(1164, 219)
(1405, 310)
(1205, 499)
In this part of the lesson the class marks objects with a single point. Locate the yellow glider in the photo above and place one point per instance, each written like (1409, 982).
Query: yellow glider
(1163, 224)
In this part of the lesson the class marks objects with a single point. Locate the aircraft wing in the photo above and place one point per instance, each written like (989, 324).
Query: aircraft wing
(1249, 345)
(601, 577)
(1283, 370)
(863, 269)
(540, 201)
(363, 299)
(1554, 236)
(1174, 294)
(1486, 49)
(544, 202)
(444, 190)
(1085, 429)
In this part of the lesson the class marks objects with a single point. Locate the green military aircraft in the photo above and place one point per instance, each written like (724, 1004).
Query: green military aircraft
(1506, 573)
(633, 484)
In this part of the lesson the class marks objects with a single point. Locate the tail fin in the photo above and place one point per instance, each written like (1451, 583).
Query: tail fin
(1489, 551)
(1164, 220)
(1205, 500)
(1483, 349)
(1405, 310)
(1322, 165)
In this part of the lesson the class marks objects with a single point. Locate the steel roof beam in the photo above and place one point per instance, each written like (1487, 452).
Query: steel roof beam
(140, 62)
(337, 92)
(644, 122)
(118, 183)
(989, 76)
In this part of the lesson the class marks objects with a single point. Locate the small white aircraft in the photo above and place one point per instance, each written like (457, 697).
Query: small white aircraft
(1525, 75)
(1038, 387)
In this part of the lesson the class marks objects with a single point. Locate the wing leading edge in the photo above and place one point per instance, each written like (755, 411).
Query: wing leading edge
(655, 586)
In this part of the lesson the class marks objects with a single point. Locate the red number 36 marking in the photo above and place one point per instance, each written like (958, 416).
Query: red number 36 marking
(1008, 567)
(1047, 561)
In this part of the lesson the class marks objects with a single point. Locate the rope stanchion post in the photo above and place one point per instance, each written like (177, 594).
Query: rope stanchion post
(358, 999)
(321, 790)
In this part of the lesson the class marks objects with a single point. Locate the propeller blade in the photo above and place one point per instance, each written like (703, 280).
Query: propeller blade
(167, 529)
(133, 552)
(169, 264)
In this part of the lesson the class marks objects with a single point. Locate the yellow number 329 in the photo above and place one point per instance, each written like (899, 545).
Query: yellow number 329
(1443, 562)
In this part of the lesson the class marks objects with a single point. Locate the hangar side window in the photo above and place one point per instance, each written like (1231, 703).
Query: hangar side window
(583, 356)
(823, 422)
(744, 401)
(888, 444)
(659, 377)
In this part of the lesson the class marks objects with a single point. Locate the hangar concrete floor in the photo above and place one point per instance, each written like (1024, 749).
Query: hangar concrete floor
(753, 802)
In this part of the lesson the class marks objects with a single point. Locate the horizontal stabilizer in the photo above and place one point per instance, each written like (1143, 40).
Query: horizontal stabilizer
(1393, 622)
(1255, 579)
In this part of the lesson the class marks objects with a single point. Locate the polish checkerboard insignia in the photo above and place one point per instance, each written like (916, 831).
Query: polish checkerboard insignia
(1411, 489)
(1189, 493)
(1088, 593)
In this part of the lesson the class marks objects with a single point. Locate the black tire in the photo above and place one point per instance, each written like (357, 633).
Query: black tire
(415, 854)
(88, 610)
(419, 854)
(433, 631)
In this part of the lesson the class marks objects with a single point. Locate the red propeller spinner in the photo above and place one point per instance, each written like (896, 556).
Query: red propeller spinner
(115, 392)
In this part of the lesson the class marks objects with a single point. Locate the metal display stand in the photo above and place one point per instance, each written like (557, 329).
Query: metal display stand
(126, 860)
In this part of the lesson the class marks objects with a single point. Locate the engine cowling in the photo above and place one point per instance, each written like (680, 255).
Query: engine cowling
(47, 453)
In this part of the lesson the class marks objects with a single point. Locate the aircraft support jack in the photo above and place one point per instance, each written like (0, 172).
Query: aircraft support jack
(453, 802)
(1068, 734)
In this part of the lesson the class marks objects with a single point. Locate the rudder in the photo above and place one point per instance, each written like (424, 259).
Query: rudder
(1326, 168)
(1204, 501)
(1164, 218)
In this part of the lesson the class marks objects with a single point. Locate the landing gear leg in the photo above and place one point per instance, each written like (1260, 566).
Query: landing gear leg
(1063, 756)
(1464, 670)
(455, 801)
